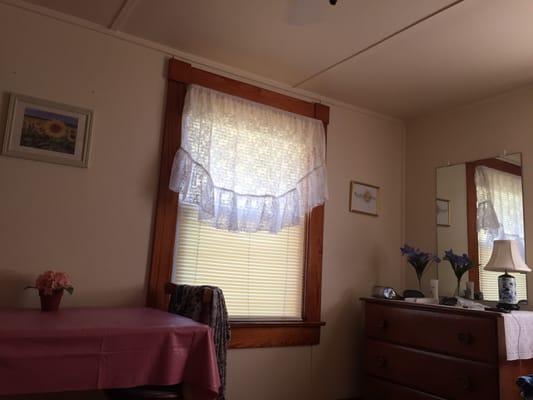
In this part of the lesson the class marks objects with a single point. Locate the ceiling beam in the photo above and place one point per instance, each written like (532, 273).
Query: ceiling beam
(122, 14)
(380, 41)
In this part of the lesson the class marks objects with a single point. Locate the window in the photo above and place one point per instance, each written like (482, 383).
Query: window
(494, 211)
(245, 166)
(261, 274)
(499, 216)
(488, 280)
(289, 314)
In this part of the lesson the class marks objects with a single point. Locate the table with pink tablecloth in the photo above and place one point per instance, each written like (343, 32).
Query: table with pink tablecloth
(99, 348)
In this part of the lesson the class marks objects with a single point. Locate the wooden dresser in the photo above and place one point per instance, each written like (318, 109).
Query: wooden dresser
(429, 352)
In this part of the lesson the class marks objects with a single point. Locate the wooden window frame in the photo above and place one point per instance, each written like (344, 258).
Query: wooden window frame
(250, 333)
(471, 207)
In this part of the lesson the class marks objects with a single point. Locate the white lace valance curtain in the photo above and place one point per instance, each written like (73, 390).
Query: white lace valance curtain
(499, 204)
(247, 166)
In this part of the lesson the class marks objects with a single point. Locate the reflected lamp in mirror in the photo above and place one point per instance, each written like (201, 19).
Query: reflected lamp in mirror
(506, 258)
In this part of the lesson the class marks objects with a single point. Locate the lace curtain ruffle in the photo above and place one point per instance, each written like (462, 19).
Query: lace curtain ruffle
(246, 166)
(499, 204)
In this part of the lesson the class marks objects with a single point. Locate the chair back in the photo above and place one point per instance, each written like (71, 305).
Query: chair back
(205, 304)
(207, 301)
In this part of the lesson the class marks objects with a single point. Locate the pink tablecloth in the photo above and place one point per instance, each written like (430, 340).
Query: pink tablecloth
(85, 349)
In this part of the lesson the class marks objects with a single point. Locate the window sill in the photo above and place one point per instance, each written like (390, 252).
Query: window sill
(274, 334)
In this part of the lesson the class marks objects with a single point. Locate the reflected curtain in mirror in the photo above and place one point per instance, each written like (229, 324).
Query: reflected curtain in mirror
(487, 205)
(499, 216)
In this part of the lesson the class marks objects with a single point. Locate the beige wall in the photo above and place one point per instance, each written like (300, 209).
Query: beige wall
(482, 130)
(96, 223)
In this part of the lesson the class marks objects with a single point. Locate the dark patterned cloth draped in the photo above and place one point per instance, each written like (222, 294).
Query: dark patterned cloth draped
(188, 301)
(525, 383)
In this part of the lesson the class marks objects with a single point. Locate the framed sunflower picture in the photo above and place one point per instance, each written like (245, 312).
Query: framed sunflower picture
(364, 198)
(46, 131)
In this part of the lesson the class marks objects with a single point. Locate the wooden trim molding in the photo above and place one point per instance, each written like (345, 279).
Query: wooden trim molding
(265, 335)
(167, 203)
(471, 223)
(313, 265)
(471, 207)
(183, 72)
(244, 334)
(500, 165)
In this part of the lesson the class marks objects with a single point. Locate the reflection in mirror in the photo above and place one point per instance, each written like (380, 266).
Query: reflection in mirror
(476, 203)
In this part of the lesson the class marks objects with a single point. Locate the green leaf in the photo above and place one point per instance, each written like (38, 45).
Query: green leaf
(70, 290)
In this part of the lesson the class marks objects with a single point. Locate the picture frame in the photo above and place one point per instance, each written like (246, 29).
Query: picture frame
(44, 130)
(364, 198)
(442, 210)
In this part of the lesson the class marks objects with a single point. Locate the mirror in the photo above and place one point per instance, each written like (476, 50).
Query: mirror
(476, 203)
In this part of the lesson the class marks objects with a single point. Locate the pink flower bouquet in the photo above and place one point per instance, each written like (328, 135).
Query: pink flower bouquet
(50, 281)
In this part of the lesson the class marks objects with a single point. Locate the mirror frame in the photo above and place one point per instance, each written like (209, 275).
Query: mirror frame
(471, 205)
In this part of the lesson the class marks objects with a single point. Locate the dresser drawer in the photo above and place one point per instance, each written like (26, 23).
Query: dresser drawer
(377, 389)
(461, 335)
(444, 376)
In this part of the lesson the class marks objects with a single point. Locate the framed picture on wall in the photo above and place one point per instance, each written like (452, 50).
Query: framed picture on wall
(364, 198)
(46, 131)
(443, 212)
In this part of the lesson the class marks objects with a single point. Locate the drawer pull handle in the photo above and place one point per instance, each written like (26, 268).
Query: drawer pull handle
(381, 362)
(465, 338)
(466, 383)
(383, 324)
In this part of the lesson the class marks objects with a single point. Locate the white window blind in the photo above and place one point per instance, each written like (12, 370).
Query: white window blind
(261, 274)
(500, 216)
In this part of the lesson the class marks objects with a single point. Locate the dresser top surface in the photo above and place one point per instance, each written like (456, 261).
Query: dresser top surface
(433, 307)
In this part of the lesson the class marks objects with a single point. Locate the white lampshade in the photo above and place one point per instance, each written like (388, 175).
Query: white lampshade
(506, 257)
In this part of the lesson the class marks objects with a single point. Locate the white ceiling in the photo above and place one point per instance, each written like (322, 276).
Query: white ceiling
(458, 53)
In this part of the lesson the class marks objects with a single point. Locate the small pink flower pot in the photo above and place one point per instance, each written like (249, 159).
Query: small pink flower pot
(50, 302)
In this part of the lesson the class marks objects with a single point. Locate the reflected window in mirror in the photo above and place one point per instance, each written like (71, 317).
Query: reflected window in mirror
(496, 213)
(485, 204)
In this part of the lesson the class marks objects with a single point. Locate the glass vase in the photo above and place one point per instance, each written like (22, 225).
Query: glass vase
(457, 292)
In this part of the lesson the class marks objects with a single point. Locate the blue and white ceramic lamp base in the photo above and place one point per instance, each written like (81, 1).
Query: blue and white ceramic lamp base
(507, 289)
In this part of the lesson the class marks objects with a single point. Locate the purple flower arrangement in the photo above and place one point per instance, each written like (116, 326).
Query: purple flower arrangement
(460, 265)
(419, 260)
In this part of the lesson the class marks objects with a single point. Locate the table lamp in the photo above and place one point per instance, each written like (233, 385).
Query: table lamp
(506, 258)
